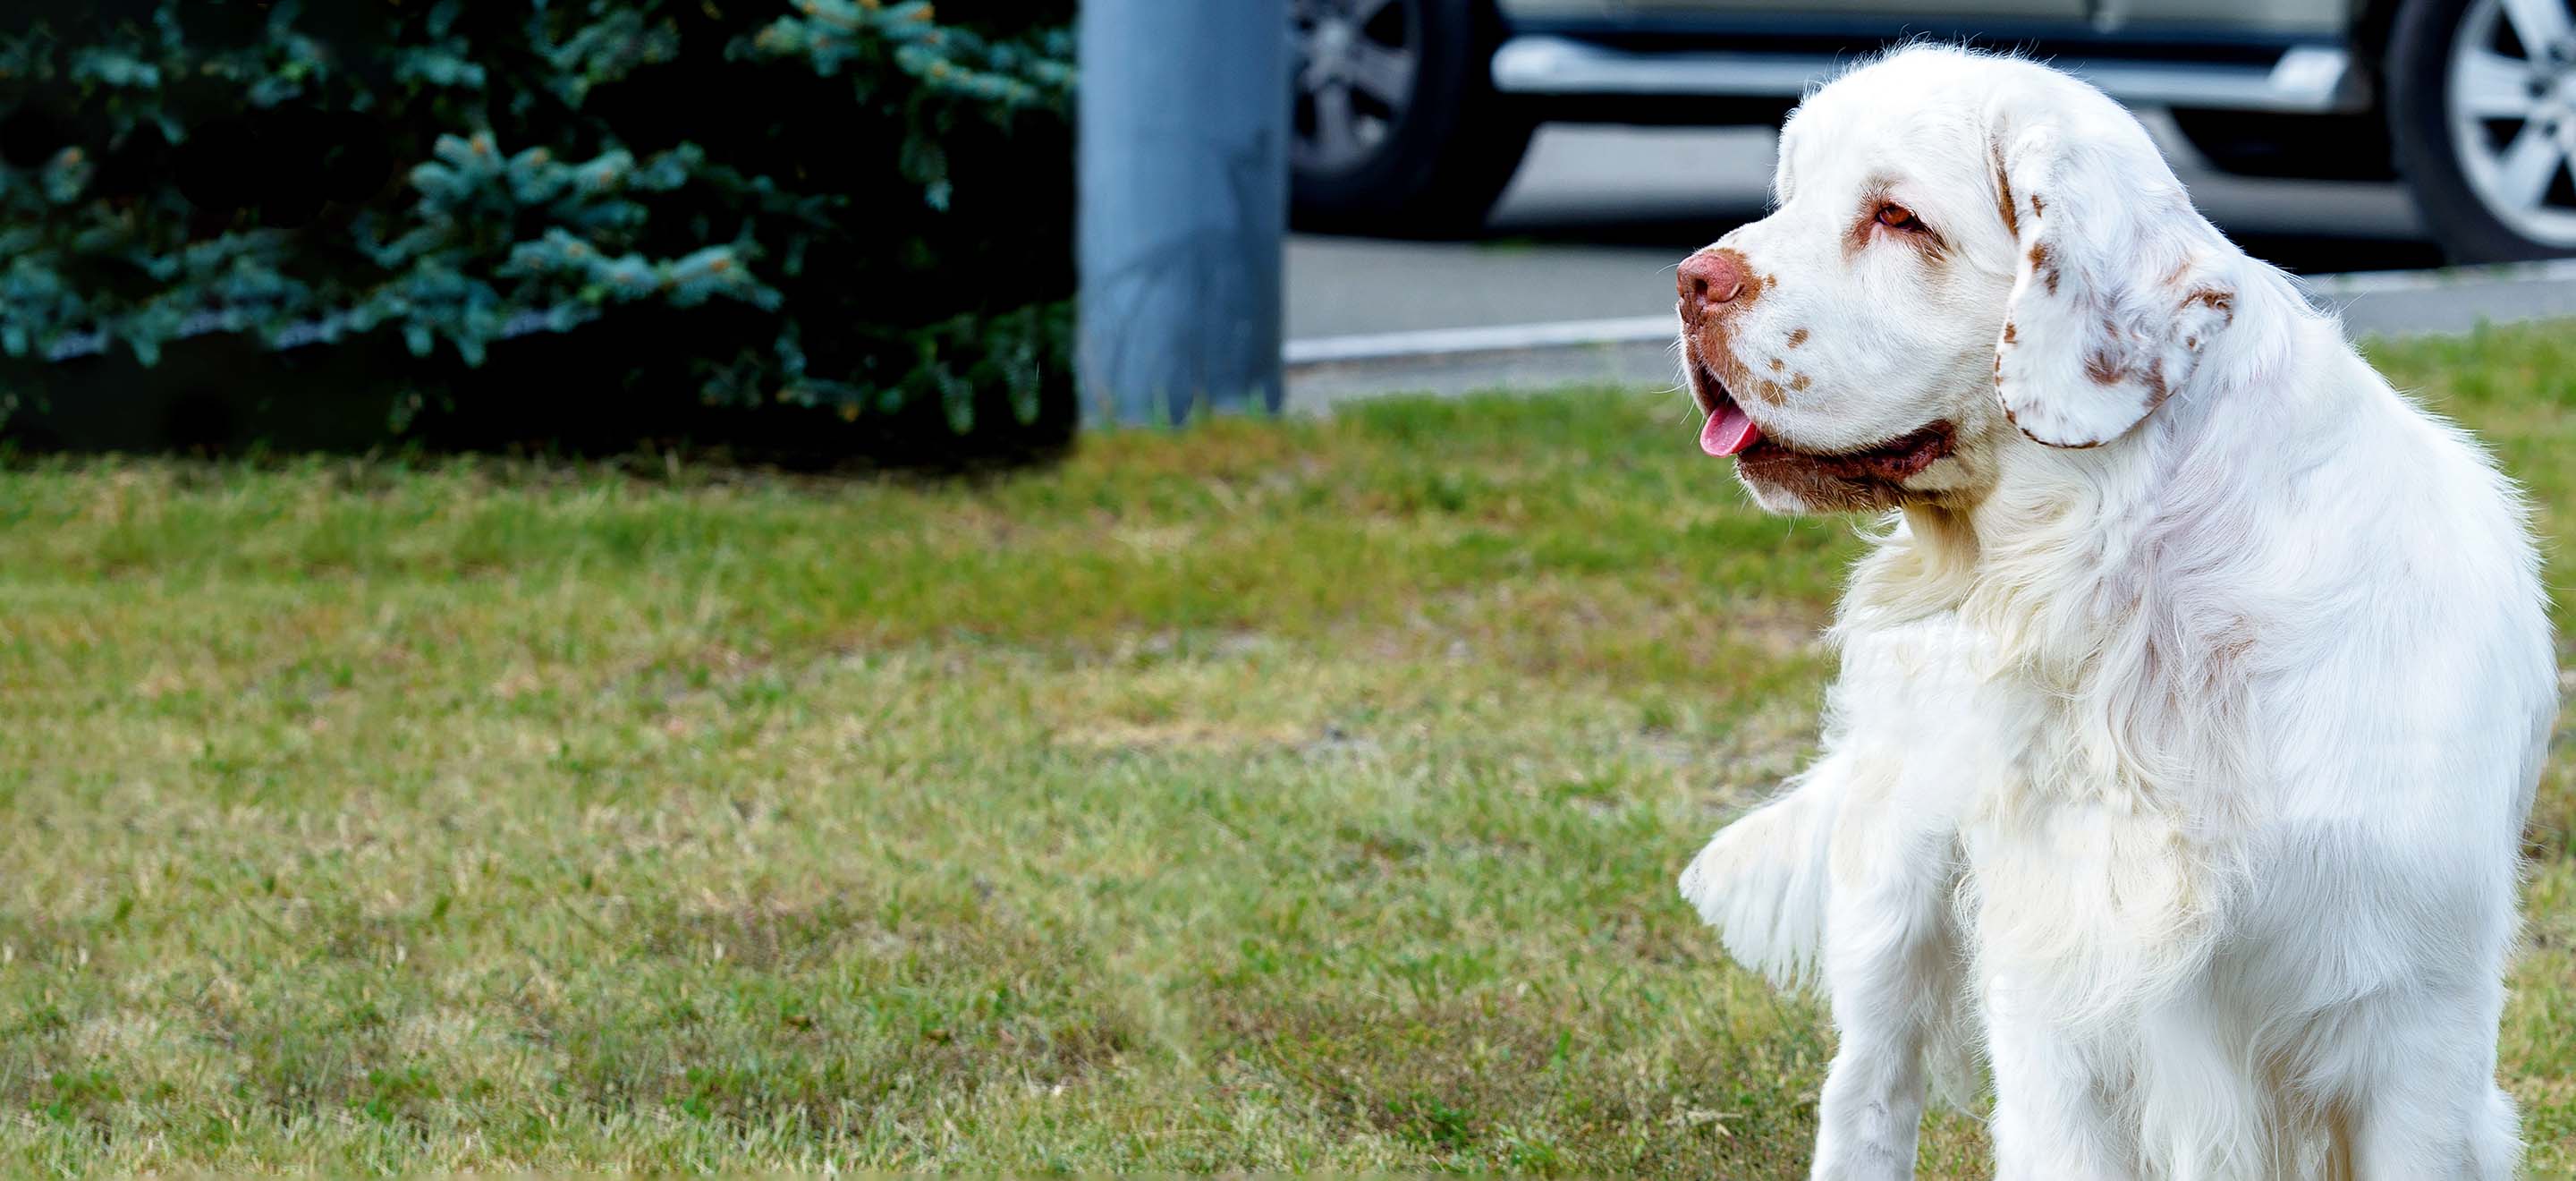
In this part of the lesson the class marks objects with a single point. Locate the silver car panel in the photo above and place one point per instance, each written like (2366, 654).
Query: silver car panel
(2284, 17)
(2307, 78)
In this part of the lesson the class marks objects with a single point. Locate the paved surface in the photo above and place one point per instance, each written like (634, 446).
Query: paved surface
(1598, 216)
(1638, 351)
(1591, 229)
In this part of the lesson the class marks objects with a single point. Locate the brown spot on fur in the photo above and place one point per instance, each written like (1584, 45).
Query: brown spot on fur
(2232, 642)
(1753, 284)
(1799, 382)
(1777, 364)
(2040, 265)
(2147, 372)
(2009, 331)
(2217, 299)
(1732, 374)
(2037, 206)
(2107, 367)
(1797, 337)
(2003, 190)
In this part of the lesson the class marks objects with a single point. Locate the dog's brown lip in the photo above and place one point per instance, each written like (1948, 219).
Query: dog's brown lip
(1899, 458)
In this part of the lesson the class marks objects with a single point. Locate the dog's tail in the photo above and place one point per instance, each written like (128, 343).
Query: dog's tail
(1762, 881)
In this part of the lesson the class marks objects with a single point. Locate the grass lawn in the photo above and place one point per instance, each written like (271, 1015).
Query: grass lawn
(1265, 795)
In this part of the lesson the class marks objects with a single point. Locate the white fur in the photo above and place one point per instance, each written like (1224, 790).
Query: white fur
(2182, 772)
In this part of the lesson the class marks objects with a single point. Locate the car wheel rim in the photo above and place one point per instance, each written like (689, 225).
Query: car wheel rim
(2511, 98)
(1353, 78)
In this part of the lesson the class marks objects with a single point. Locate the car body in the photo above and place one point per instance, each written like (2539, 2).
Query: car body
(1410, 114)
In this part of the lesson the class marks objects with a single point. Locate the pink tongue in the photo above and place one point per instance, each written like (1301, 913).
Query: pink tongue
(1728, 431)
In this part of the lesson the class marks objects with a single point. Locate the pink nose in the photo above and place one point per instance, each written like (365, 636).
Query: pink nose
(1708, 279)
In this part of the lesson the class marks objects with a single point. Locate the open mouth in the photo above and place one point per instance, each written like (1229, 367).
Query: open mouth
(1730, 431)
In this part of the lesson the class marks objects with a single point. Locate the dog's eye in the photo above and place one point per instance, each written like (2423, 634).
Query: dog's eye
(1897, 217)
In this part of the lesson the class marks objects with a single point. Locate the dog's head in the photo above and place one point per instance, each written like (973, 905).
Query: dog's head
(1964, 250)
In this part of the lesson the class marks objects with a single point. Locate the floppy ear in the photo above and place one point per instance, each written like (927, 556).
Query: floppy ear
(2119, 289)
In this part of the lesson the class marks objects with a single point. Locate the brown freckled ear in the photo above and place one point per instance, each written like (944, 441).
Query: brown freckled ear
(2102, 326)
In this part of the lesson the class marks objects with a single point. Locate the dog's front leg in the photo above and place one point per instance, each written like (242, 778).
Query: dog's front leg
(1891, 965)
(2049, 1121)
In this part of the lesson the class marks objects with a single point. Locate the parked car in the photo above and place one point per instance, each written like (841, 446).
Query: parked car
(1411, 115)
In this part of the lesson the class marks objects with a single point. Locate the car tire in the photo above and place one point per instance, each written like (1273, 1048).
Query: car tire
(2482, 126)
(1396, 127)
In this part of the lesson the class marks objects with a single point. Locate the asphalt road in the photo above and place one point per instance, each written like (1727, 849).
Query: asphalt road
(1597, 218)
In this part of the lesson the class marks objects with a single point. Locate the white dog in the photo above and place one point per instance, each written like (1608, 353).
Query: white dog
(2193, 693)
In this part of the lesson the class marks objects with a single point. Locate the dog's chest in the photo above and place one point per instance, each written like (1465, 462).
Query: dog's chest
(2072, 878)
(1932, 720)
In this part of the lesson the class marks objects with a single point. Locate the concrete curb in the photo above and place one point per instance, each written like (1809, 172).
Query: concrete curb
(2452, 299)
(1500, 338)
(1326, 371)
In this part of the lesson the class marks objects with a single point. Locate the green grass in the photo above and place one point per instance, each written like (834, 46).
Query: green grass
(1261, 796)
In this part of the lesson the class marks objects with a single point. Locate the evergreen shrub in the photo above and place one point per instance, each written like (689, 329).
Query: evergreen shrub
(572, 222)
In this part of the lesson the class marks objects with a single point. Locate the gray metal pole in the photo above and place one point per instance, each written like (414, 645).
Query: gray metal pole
(1184, 192)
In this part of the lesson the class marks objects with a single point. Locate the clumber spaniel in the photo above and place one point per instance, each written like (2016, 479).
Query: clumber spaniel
(2193, 692)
